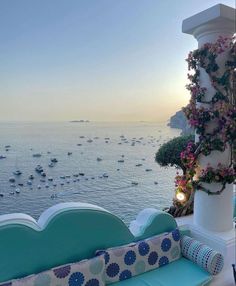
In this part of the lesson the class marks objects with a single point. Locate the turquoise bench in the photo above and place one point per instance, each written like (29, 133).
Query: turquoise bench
(71, 232)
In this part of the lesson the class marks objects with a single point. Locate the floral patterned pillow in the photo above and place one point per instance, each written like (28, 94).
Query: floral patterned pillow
(127, 261)
(84, 273)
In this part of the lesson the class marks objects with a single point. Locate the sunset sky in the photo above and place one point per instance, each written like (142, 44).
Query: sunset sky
(102, 60)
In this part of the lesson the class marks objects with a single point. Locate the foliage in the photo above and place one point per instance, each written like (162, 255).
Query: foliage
(169, 153)
(200, 113)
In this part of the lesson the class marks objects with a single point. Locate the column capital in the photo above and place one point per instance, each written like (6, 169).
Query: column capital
(207, 25)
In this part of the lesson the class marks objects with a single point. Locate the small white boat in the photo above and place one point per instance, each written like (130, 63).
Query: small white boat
(50, 179)
(39, 187)
(37, 155)
(39, 169)
(17, 190)
(17, 172)
(29, 182)
(51, 164)
(62, 177)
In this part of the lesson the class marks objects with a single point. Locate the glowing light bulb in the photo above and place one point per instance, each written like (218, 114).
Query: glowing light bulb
(180, 197)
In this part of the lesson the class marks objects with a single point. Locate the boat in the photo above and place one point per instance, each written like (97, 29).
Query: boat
(37, 155)
(12, 180)
(134, 183)
(39, 187)
(50, 179)
(139, 165)
(62, 177)
(99, 159)
(39, 169)
(31, 177)
(148, 170)
(54, 160)
(7, 146)
(2, 157)
(156, 183)
(47, 186)
(69, 153)
(17, 172)
(81, 174)
(105, 175)
(1, 195)
(17, 190)
(12, 193)
(67, 176)
(79, 144)
(121, 161)
(51, 164)
(29, 182)
(76, 175)
(43, 174)
(90, 141)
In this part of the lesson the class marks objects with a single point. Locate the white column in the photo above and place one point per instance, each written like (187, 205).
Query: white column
(212, 212)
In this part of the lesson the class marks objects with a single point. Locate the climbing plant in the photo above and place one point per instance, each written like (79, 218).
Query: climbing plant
(214, 120)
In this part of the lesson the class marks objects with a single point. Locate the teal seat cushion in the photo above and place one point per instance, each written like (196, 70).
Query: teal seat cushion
(182, 272)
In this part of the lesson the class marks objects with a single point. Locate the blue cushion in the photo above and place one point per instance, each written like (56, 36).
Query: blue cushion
(182, 272)
(130, 260)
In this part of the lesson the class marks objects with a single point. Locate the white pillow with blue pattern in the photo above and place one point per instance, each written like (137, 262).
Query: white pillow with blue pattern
(130, 260)
(84, 273)
(201, 254)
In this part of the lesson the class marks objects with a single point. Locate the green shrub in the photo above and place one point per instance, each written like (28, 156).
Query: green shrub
(169, 153)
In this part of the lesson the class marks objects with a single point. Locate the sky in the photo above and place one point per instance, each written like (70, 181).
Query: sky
(101, 60)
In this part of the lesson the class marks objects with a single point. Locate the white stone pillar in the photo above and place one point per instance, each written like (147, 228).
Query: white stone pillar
(214, 212)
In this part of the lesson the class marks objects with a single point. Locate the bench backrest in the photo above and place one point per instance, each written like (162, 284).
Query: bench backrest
(65, 233)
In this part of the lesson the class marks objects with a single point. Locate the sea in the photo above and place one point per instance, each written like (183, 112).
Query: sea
(107, 164)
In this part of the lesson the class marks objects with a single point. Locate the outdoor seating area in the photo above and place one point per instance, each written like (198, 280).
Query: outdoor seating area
(68, 233)
(80, 244)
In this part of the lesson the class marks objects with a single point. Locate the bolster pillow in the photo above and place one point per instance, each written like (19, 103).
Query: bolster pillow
(207, 258)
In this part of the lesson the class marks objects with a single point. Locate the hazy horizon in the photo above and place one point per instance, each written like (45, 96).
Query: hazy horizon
(100, 60)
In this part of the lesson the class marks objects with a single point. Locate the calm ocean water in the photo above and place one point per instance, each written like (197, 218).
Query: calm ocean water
(127, 189)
